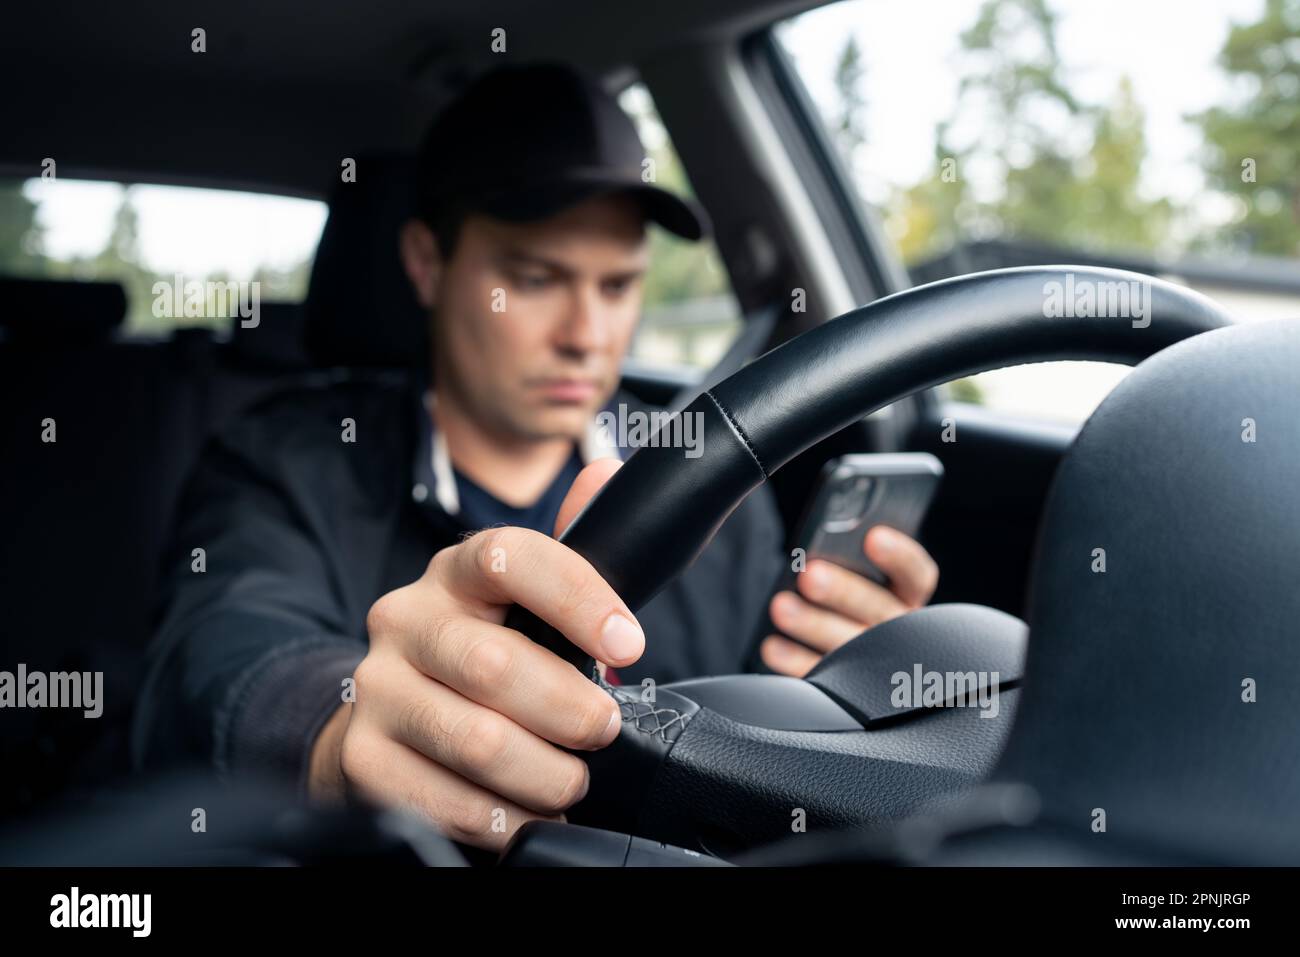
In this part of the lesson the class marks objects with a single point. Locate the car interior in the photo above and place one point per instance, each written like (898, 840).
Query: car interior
(1118, 691)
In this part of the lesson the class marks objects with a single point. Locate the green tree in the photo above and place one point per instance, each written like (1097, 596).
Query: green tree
(1253, 144)
(120, 260)
(679, 270)
(284, 284)
(1040, 165)
(850, 126)
(1102, 205)
(124, 239)
(21, 236)
(1010, 77)
(922, 218)
(1013, 77)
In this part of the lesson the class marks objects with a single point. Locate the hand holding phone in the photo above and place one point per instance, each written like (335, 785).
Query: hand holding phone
(854, 494)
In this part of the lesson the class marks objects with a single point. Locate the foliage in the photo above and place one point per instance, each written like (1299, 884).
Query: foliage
(1253, 144)
(1023, 172)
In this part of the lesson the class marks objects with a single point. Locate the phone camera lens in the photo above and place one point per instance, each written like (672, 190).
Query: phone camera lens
(848, 502)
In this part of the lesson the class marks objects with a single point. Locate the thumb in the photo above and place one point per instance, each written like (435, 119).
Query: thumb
(583, 489)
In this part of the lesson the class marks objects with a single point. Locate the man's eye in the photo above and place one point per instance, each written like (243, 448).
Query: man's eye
(616, 287)
(532, 281)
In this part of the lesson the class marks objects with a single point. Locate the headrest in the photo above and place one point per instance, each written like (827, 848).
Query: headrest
(360, 308)
(276, 340)
(1161, 686)
(60, 311)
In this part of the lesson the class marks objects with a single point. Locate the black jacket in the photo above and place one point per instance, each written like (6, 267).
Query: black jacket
(301, 532)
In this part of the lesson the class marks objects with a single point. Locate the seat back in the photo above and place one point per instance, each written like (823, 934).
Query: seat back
(360, 309)
(97, 436)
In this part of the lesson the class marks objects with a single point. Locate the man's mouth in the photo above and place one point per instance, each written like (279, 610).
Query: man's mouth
(567, 390)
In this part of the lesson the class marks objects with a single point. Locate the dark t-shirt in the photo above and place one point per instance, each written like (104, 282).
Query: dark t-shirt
(481, 509)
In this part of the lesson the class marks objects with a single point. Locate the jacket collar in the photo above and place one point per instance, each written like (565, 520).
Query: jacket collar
(433, 477)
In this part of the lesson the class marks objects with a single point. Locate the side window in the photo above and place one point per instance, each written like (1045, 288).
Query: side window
(143, 235)
(690, 314)
(994, 133)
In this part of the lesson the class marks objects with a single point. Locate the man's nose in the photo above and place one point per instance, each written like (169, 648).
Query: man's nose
(586, 325)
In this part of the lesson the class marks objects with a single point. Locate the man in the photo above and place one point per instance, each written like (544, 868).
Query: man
(346, 628)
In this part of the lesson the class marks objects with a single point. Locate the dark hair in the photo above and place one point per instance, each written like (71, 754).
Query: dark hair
(446, 224)
(444, 215)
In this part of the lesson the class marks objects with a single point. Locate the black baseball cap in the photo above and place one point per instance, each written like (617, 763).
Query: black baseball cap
(525, 142)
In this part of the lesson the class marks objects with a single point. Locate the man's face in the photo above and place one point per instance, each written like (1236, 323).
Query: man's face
(531, 320)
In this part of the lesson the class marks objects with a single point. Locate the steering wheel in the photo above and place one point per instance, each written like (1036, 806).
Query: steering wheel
(721, 764)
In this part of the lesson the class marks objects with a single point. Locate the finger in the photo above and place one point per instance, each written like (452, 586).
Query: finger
(504, 671)
(395, 775)
(787, 657)
(507, 565)
(848, 594)
(913, 574)
(584, 488)
(484, 746)
(816, 627)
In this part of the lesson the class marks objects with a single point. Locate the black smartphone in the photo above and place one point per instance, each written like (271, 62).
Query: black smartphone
(854, 494)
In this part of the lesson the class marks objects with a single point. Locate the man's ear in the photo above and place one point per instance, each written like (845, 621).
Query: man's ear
(421, 260)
